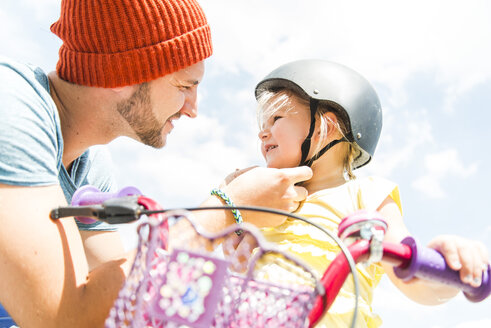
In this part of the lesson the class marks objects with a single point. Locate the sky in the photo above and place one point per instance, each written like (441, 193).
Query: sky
(428, 61)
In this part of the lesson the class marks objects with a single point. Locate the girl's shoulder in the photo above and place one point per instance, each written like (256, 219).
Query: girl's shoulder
(361, 193)
(368, 186)
(373, 190)
(367, 183)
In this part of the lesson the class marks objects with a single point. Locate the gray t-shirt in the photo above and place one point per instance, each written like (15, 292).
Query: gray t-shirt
(31, 143)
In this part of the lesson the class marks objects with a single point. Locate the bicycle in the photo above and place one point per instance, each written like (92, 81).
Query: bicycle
(190, 286)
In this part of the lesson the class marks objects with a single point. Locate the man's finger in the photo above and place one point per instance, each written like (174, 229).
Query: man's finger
(243, 252)
(293, 207)
(298, 174)
(242, 171)
(300, 193)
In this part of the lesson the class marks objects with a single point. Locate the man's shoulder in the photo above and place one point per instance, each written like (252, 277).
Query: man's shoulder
(24, 92)
(16, 68)
(30, 131)
(24, 76)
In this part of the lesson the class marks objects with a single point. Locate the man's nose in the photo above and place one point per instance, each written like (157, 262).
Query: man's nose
(190, 107)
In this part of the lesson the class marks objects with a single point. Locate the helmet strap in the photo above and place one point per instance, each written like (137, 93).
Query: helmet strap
(306, 143)
(323, 150)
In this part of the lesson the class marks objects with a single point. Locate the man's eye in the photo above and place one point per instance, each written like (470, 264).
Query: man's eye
(186, 87)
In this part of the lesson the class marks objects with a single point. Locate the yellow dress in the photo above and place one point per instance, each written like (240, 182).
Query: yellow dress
(327, 208)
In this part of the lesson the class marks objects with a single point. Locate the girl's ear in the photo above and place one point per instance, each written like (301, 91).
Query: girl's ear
(332, 123)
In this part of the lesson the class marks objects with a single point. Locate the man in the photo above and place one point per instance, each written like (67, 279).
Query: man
(126, 68)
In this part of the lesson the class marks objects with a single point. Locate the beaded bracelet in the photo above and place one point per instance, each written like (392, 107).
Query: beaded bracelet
(228, 201)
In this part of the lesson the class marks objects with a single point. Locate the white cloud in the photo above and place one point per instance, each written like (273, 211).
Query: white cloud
(388, 298)
(403, 135)
(11, 46)
(486, 235)
(388, 41)
(25, 33)
(42, 10)
(399, 311)
(195, 160)
(438, 167)
(475, 324)
(430, 186)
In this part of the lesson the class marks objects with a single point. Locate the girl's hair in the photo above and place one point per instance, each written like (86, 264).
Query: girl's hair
(271, 101)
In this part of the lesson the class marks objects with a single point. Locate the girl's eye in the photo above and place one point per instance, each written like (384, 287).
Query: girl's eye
(276, 118)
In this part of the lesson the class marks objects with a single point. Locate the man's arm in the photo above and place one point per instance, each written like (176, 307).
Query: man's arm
(258, 186)
(44, 274)
(101, 247)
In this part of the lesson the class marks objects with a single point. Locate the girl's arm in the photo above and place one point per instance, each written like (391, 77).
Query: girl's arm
(470, 257)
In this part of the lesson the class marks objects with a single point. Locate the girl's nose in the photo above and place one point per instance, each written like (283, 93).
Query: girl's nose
(263, 134)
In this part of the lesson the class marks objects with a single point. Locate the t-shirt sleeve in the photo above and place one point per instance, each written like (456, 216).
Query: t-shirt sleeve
(376, 189)
(30, 142)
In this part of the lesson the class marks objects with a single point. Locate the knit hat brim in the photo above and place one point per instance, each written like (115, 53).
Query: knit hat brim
(136, 65)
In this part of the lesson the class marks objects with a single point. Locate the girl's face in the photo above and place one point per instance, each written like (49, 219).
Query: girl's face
(283, 133)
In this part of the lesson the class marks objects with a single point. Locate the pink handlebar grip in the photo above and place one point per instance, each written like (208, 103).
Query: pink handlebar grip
(90, 195)
(427, 263)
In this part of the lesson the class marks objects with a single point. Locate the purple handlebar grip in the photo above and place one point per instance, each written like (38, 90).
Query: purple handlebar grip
(90, 195)
(429, 264)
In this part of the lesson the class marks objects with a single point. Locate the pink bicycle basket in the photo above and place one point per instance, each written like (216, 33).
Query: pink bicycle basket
(195, 285)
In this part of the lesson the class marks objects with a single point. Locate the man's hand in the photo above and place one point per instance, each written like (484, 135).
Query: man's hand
(257, 186)
(229, 178)
(267, 187)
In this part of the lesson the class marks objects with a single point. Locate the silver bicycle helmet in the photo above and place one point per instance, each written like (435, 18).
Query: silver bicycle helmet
(338, 85)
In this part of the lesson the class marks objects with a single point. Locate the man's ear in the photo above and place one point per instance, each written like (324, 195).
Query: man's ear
(124, 91)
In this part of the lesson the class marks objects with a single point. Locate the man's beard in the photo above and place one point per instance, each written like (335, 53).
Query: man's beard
(137, 111)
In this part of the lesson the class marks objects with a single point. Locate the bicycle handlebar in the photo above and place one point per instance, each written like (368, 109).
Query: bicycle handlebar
(408, 258)
(90, 195)
(414, 260)
(427, 263)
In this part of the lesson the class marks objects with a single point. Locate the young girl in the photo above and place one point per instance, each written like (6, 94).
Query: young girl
(328, 117)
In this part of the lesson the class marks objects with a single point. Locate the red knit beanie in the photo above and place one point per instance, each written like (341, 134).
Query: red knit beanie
(113, 43)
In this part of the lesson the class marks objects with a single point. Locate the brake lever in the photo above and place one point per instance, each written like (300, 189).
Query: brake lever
(112, 211)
